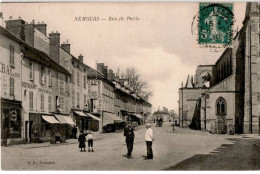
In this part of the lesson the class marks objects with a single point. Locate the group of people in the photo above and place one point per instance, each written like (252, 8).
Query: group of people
(129, 134)
(82, 139)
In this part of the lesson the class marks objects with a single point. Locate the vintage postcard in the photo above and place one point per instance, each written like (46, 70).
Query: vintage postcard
(130, 86)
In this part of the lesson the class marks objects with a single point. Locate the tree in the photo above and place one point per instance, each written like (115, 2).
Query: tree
(134, 82)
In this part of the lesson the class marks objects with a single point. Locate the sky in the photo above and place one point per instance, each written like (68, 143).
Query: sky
(159, 43)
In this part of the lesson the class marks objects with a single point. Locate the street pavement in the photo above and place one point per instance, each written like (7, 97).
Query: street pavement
(182, 149)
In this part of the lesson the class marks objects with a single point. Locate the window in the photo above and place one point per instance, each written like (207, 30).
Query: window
(85, 99)
(73, 98)
(11, 86)
(61, 103)
(42, 75)
(221, 108)
(78, 78)
(12, 55)
(31, 71)
(89, 88)
(31, 100)
(99, 103)
(85, 81)
(99, 89)
(42, 102)
(57, 80)
(72, 78)
(78, 99)
(49, 103)
(49, 77)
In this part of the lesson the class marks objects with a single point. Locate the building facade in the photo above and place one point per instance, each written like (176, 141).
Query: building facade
(229, 102)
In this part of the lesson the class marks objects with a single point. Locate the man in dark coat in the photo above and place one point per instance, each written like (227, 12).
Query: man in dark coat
(82, 140)
(129, 134)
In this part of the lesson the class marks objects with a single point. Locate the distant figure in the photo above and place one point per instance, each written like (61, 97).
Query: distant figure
(90, 141)
(82, 140)
(74, 132)
(149, 141)
(129, 134)
(154, 120)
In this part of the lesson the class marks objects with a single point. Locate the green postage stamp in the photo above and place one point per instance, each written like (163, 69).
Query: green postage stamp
(215, 23)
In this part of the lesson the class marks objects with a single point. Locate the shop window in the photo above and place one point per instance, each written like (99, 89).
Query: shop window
(31, 71)
(11, 86)
(221, 106)
(12, 55)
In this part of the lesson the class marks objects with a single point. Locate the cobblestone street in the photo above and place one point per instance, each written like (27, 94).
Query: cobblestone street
(170, 148)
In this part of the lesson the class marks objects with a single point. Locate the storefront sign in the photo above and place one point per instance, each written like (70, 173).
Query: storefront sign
(45, 91)
(8, 69)
(94, 82)
(28, 85)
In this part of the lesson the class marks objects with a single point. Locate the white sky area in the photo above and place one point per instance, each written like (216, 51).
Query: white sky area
(159, 45)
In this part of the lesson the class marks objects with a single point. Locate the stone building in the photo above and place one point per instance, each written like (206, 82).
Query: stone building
(229, 102)
(38, 102)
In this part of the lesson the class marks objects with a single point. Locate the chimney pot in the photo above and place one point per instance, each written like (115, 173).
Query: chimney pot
(80, 57)
(10, 17)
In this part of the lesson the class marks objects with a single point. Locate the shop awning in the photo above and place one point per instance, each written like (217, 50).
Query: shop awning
(137, 115)
(50, 119)
(109, 118)
(69, 120)
(80, 113)
(92, 116)
(64, 119)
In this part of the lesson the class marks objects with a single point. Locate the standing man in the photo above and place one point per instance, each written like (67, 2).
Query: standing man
(129, 134)
(149, 141)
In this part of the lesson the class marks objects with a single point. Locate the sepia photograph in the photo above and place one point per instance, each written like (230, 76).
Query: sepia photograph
(130, 86)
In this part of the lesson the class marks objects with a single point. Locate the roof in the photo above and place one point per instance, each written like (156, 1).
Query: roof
(33, 53)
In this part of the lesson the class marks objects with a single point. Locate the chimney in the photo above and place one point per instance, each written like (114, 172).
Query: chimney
(66, 46)
(80, 58)
(16, 27)
(1, 20)
(42, 27)
(122, 81)
(110, 74)
(100, 67)
(29, 33)
(54, 46)
(105, 71)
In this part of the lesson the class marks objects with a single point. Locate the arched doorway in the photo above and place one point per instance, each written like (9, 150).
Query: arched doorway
(221, 112)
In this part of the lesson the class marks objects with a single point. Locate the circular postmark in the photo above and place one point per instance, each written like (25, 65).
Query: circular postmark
(214, 25)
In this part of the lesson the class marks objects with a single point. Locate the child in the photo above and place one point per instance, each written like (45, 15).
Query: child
(90, 141)
(82, 140)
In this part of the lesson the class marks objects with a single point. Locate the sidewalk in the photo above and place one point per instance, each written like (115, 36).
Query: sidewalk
(48, 144)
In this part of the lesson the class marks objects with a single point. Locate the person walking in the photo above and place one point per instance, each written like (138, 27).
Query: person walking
(90, 137)
(149, 141)
(82, 140)
(129, 134)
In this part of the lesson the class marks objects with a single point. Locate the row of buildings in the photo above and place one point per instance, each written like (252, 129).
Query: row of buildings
(225, 97)
(44, 89)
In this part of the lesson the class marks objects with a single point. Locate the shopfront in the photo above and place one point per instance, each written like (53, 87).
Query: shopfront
(11, 124)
